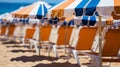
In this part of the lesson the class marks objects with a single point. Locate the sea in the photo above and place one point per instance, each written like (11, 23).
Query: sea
(9, 7)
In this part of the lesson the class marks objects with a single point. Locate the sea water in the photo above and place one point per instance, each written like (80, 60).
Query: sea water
(9, 7)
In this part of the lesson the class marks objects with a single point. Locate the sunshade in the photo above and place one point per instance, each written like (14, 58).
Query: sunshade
(85, 7)
(35, 10)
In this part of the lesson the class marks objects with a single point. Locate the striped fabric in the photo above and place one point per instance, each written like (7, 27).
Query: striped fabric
(91, 7)
(79, 8)
(89, 20)
(8, 16)
(69, 7)
(35, 10)
(2, 16)
(58, 10)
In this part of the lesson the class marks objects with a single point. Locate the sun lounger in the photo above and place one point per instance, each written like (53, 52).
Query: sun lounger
(63, 39)
(85, 41)
(110, 49)
(28, 35)
(11, 30)
(3, 30)
(44, 33)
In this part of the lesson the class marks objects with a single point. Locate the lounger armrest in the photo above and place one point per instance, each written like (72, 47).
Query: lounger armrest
(70, 47)
(51, 43)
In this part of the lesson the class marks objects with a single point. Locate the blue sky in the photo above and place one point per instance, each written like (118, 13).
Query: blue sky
(29, 1)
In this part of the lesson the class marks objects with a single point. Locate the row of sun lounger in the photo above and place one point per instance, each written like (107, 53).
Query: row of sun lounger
(75, 40)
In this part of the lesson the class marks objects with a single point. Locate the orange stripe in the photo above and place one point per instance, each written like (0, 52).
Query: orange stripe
(20, 12)
(117, 6)
(70, 18)
(59, 11)
(65, 4)
(26, 13)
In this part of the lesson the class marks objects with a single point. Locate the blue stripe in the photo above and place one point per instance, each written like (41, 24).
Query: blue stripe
(71, 23)
(39, 13)
(45, 10)
(92, 20)
(79, 8)
(91, 7)
(84, 20)
(27, 20)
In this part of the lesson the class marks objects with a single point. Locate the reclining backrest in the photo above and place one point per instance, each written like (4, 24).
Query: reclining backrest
(45, 33)
(3, 30)
(11, 30)
(64, 34)
(112, 43)
(30, 33)
(86, 38)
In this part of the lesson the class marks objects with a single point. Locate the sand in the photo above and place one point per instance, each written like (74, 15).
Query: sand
(16, 55)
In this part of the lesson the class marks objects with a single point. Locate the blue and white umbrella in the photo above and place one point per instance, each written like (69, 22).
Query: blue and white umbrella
(35, 10)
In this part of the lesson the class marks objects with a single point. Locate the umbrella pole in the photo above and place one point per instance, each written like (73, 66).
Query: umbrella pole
(39, 36)
(66, 36)
(100, 41)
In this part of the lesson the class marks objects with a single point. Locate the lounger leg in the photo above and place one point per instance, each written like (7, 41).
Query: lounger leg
(23, 41)
(14, 38)
(68, 55)
(76, 56)
(49, 50)
(95, 61)
(55, 51)
(36, 48)
(98, 62)
(109, 63)
(31, 43)
(6, 37)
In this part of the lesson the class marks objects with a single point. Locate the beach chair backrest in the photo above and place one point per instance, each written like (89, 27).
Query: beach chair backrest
(86, 38)
(3, 30)
(64, 34)
(117, 6)
(11, 30)
(112, 43)
(45, 33)
(29, 33)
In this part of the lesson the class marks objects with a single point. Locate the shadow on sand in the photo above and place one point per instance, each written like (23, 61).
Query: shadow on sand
(33, 58)
(16, 51)
(55, 64)
(10, 42)
(17, 46)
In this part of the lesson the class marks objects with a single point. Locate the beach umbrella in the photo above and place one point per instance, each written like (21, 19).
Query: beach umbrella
(35, 10)
(103, 9)
(8, 16)
(68, 8)
(3, 15)
(57, 11)
(87, 7)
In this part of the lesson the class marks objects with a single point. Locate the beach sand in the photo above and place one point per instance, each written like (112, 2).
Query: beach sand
(16, 55)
